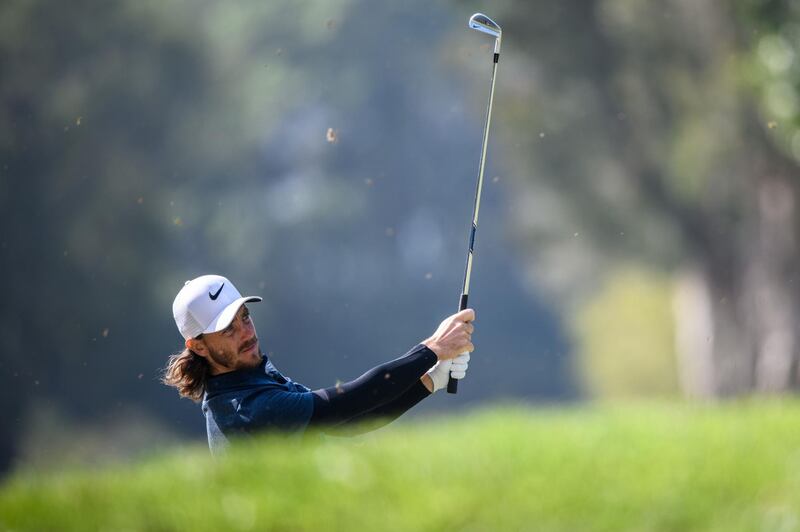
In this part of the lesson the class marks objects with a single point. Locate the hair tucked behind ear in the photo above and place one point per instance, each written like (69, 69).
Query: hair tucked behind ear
(187, 371)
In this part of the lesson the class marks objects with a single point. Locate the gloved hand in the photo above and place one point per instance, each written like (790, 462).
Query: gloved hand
(440, 373)
(459, 368)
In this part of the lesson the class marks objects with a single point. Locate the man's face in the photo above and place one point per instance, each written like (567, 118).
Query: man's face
(236, 346)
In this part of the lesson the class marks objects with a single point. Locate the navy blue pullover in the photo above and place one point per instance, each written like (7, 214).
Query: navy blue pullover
(260, 399)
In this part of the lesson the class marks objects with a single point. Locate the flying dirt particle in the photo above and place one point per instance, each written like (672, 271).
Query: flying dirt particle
(78, 120)
(495, 179)
(772, 124)
(330, 135)
(66, 253)
(279, 51)
(576, 234)
(105, 333)
(36, 383)
(140, 200)
(428, 276)
(387, 376)
(140, 376)
(369, 182)
(541, 135)
(177, 221)
(390, 231)
(330, 24)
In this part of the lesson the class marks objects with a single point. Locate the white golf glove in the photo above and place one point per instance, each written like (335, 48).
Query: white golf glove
(440, 373)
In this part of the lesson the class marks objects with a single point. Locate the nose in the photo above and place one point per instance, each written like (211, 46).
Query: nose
(247, 330)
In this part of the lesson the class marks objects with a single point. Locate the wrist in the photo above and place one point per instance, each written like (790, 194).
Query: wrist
(439, 375)
(433, 346)
(427, 382)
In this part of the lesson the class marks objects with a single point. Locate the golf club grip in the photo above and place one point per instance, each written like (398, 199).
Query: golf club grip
(452, 384)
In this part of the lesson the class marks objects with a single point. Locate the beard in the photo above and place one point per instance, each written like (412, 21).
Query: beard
(232, 360)
(226, 359)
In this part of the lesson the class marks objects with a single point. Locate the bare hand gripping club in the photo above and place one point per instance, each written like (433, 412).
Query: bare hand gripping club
(484, 24)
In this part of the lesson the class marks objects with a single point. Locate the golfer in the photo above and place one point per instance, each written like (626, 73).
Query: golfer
(243, 393)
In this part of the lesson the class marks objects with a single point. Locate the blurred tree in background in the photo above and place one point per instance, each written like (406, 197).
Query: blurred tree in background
(662, 132)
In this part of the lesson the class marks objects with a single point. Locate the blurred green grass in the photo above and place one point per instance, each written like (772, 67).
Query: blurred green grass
(655, 466)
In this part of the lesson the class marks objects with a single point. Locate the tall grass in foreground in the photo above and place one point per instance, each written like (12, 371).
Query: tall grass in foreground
(644, 467)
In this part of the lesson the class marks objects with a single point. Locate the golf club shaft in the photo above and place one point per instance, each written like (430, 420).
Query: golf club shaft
(452, 384)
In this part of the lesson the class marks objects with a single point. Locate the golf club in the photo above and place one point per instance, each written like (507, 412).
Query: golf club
(484, 24)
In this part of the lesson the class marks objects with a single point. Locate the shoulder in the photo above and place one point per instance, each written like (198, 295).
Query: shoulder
(267, 407)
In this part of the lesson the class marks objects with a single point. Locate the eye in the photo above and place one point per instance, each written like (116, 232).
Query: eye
(246, 317)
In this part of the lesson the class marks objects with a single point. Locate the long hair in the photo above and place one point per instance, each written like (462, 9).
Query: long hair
(187, 371)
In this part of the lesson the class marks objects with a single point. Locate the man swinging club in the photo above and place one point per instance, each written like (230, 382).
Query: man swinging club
(243, 393)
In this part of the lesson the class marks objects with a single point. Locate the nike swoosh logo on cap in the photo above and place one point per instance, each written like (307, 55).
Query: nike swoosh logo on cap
(215, 296)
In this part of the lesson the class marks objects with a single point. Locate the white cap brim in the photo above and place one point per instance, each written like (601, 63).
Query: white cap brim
(225, 317)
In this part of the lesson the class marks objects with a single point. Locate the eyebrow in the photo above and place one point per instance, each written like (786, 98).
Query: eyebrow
(245, 313)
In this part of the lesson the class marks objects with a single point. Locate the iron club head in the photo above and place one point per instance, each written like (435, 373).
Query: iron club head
(484, 24)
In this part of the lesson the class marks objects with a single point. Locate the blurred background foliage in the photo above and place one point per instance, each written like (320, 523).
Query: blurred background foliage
(626, 337)
(638, 235)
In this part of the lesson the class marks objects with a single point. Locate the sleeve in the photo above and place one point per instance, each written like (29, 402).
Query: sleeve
(277, 408)
(382, 415)
(378, 386)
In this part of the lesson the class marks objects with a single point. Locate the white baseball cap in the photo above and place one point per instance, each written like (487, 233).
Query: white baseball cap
(207, 304)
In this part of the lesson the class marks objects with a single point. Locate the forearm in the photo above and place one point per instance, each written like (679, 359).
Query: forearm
(384, 414)
(375, 388)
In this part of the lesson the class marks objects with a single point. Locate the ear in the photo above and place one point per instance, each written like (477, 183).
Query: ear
(198, 346)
